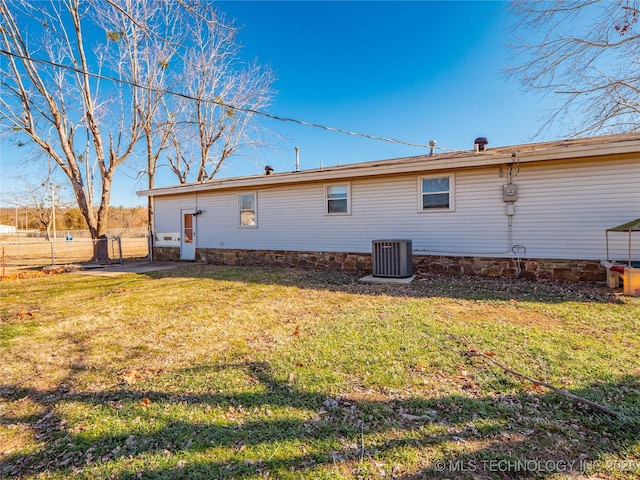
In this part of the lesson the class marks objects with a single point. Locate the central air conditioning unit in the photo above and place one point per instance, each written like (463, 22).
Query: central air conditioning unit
(392, 258)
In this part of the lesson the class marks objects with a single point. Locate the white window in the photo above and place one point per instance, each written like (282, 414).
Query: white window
(247, 210)
(436, 193)
(337, 199)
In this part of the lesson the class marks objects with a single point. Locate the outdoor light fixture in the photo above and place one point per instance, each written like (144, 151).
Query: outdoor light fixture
(196, 213)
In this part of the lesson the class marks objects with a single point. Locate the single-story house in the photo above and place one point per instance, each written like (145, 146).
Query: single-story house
(536, 211)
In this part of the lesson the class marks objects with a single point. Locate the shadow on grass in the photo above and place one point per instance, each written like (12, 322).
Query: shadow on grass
(464, 287)
(275, 429)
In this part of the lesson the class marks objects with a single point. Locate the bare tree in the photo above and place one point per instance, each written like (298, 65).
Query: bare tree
(585, 54)
(6, 217)
(43, 199)
(49, 105)
(188, 49)
(145, 35)
(215, 119)
(88, 109)
(45, 203)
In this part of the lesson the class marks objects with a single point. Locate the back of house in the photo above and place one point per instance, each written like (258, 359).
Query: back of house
(537, 210)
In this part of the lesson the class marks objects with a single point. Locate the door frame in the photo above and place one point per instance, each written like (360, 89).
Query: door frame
(188, 249)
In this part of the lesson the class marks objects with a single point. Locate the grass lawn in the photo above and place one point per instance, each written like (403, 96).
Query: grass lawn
(220, 372)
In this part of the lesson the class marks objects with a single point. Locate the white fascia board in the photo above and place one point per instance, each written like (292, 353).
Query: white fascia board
(400, 166)
(385, 167)
(579, 151)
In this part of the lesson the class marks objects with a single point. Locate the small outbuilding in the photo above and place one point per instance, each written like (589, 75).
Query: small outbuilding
(628, 228)
(7, 230)
(626, 270)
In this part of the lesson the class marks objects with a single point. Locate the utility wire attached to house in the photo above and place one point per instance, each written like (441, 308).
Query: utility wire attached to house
(217, 102)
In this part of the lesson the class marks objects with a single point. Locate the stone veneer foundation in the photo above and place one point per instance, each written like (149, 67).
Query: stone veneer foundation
(541, 269)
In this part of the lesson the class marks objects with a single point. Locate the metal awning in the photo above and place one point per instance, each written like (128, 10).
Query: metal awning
(632, 226)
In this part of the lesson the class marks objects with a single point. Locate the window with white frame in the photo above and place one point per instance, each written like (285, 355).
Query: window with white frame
(247, 209)
(436, 193)
(337, 201)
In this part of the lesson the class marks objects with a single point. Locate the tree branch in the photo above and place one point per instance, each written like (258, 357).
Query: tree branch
(561, 391)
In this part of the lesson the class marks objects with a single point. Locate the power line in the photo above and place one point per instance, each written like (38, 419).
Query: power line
(216, 102)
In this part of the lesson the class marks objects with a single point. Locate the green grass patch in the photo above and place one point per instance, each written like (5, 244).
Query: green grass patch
(217, 372)
(9, 331)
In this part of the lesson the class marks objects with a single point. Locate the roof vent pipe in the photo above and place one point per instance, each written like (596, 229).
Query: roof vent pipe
(480, 144)
(432, 146)
(297, 159)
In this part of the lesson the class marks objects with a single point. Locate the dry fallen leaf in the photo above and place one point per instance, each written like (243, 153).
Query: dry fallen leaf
(131, 377)
(296, 332)
(537, 388)
(145, 402)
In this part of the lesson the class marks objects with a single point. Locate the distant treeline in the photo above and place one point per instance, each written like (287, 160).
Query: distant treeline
(71, 219)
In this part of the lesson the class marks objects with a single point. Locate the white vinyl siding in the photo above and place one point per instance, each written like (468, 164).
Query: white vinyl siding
(562, 211)
(168, 213)
(566, 210)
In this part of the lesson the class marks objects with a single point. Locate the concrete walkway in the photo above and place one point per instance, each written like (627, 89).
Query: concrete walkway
(115, 270)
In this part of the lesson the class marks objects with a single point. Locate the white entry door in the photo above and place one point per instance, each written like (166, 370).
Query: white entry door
(188, 236)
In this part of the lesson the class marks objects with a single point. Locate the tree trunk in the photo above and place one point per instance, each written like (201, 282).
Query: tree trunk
(95, 223)
(101, 250)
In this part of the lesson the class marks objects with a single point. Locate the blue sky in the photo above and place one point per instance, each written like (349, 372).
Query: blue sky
(414, 71)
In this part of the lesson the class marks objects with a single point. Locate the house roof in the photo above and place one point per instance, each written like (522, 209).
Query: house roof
(535, 152)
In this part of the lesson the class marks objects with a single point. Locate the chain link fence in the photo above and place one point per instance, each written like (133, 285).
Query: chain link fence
(25, 235)
(30, 249)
